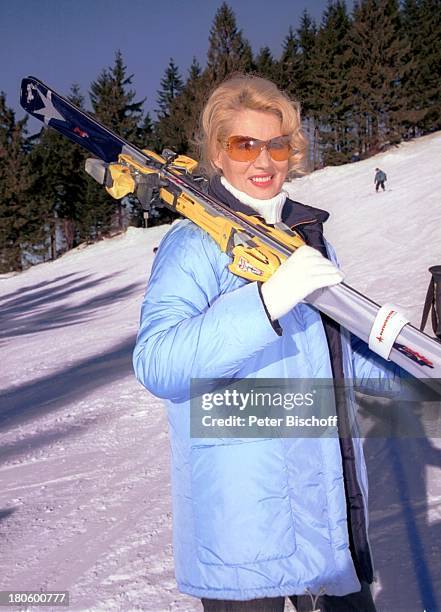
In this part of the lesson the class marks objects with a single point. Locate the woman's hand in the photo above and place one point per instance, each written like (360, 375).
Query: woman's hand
(305, 271)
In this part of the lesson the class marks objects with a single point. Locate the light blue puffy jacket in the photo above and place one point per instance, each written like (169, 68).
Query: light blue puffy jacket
(252, 518)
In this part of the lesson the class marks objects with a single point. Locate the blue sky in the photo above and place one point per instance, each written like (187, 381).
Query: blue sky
(71, 41)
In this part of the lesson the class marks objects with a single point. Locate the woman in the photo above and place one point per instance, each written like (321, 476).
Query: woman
(255, 520)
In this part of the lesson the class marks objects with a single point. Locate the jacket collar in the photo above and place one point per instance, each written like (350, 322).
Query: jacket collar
(293, 213)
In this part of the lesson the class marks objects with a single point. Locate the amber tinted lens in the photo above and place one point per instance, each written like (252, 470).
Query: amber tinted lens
(279, 148)
(243, 148)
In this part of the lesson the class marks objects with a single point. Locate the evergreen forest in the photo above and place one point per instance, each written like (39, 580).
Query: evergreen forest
(366, 80)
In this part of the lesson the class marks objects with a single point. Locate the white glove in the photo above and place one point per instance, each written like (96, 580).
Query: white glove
(305, 271)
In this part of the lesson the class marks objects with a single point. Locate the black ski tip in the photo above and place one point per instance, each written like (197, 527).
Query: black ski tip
(25, 100)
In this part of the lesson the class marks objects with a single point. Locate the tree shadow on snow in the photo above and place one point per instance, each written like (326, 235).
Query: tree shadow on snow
(36, 440)
(16, 296)
(405, 543)
(49, 393)
(6, 512)
(49, 305)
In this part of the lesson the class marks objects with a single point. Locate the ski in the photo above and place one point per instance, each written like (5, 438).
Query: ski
(256, 249)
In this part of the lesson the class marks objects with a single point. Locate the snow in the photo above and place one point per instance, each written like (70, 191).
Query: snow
(385, 241)
(85, 492)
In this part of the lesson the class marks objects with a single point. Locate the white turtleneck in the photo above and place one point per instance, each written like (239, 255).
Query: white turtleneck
(270, 210)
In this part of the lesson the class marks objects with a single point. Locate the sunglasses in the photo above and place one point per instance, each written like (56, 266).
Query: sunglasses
(246, 149)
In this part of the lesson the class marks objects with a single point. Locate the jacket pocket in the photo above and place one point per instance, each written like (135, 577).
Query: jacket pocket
(241, 502)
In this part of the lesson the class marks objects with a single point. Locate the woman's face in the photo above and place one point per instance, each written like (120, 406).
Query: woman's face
(262, 178)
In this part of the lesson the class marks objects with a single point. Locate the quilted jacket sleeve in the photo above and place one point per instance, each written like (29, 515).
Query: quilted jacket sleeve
(189, 329)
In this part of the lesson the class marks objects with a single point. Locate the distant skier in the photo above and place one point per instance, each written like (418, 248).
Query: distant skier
(380, 179)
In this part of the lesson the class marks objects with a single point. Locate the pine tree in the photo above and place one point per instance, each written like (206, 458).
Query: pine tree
(18, 226)
(59, 185)
(46, 161)
(113, 104)
(306, 33)
(331, 103)
(180, 128)
(228, 50)
(188, 107)
(146, 133)
(305, 93)
(379, 68)
(266, 64)
(195, 71)
(168, 130)
(289, 64)
(421, 23)
(171, 87)
(431, 64)
(71, 209)
(306, 36)
(112, 100)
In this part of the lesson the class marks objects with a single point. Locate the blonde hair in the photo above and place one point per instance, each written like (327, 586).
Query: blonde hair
(241, 92)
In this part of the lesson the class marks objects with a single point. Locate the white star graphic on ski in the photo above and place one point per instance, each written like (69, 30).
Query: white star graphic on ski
(49, 111)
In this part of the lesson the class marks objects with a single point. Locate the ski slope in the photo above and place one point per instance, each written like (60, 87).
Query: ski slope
(85, 493)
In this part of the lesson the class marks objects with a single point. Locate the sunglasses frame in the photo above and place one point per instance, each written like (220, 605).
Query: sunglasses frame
(253, 153)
